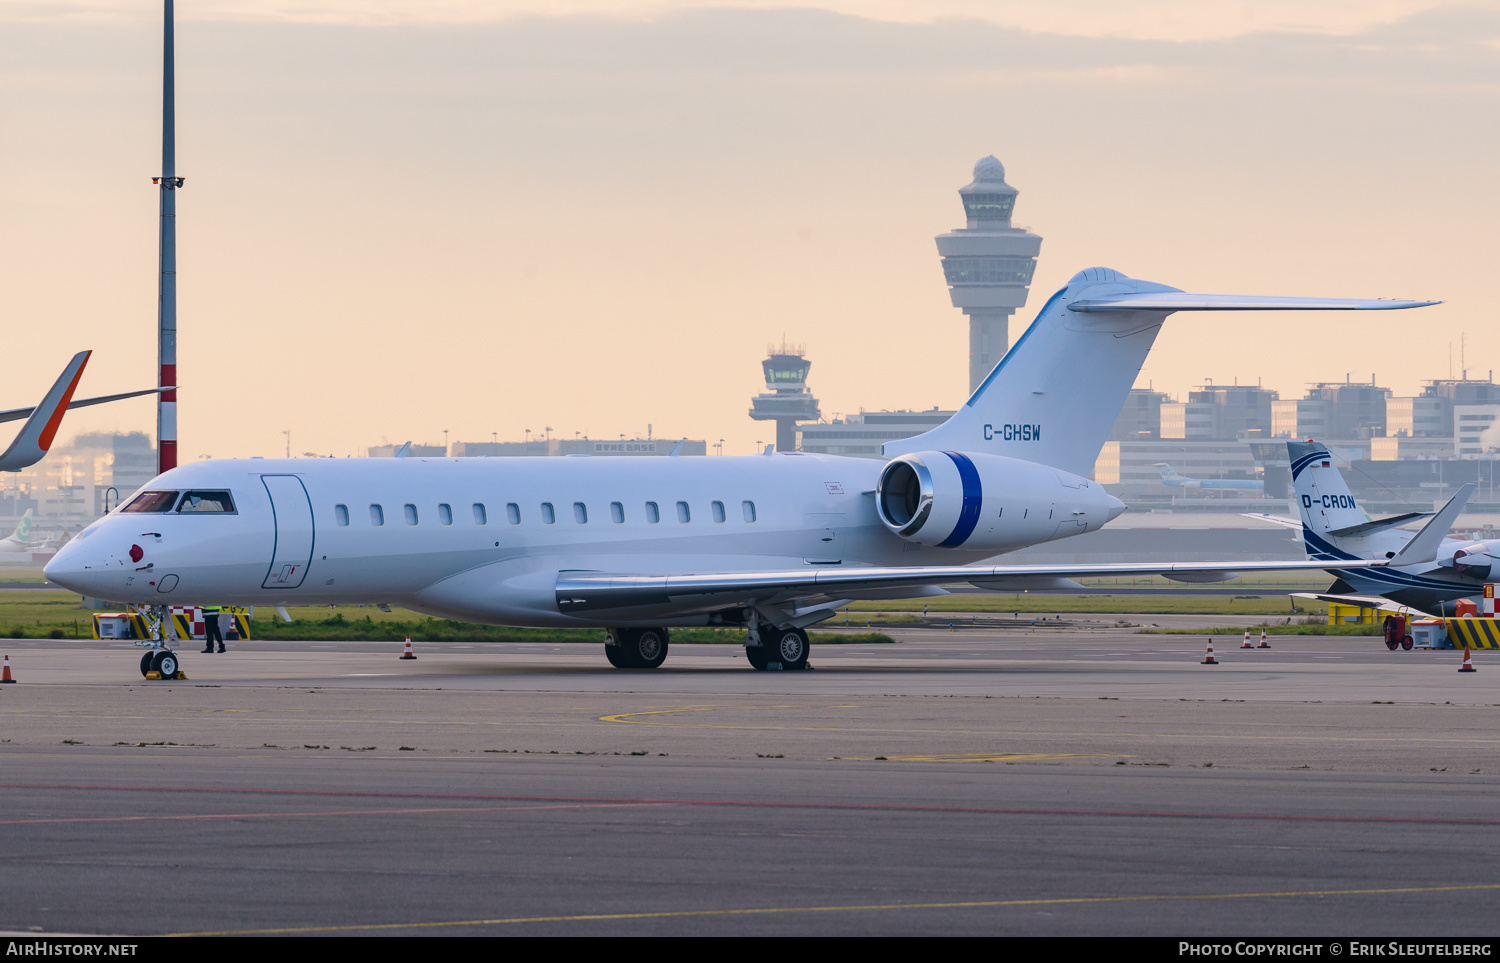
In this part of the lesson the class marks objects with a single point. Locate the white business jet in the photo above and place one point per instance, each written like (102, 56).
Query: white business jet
(773, 543)
(1335, 529)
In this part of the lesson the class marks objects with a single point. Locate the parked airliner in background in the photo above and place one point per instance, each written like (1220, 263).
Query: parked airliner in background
(1171, 479)
(1336, 530)
(772, 542)
(21, 540)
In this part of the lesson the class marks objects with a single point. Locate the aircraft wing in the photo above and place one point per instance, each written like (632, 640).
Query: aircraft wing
(41, 426)
(16, 414)
(594, 592)
(1363, 601)
(1184, 301)
(1281, 520)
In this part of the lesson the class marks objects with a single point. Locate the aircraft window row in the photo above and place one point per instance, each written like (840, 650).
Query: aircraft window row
(189, 503)
(445, 511)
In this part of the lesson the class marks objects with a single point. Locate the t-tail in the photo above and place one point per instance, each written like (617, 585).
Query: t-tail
(1335, 527)
(1057, 393)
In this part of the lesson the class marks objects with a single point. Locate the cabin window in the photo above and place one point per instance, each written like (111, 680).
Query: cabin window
(749, 509)
(445, 515)
(411, 514)
(480, 517)
(513, 512)
(548, 516)
(151, 502)
(683, 515)
(377, 515)
(341, 515)
(196, 503)
(652, 515)
(617, 512)
(718, 508)
(580, 513)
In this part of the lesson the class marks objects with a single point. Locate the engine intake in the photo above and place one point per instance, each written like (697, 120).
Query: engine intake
(988, 502)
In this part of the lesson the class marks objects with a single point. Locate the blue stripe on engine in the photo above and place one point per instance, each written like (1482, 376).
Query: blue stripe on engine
(968, 516)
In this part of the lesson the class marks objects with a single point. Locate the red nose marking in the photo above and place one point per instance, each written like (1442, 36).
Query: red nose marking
(137, 553)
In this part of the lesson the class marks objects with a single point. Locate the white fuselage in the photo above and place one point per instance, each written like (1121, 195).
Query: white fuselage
(471, 539)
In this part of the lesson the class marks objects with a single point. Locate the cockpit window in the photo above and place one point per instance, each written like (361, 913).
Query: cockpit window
(151, 502)
(203, 503)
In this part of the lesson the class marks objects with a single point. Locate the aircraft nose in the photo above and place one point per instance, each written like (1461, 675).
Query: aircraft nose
(1115, 506)
(69, 568)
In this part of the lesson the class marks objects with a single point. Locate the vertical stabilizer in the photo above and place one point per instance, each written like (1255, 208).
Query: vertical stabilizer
(1323, 499)
(1056, 394)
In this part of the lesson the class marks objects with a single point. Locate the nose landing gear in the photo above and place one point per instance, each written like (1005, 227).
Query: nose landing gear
(159, 661)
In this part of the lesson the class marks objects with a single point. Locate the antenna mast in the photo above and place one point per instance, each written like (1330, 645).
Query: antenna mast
(166, 316)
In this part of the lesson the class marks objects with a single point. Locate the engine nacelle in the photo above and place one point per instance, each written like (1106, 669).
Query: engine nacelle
(1478, 560)
(954, 499)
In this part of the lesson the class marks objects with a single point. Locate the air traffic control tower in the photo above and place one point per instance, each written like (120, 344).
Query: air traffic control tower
(786, 400)
(988, 265)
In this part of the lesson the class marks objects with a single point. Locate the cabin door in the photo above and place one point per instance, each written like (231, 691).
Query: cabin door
(294, 531)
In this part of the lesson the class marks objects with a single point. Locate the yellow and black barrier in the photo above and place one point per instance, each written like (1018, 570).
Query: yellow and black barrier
(1475, 633)
(107, 625)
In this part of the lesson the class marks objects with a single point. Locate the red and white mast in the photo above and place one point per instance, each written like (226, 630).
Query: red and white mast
(166, 317)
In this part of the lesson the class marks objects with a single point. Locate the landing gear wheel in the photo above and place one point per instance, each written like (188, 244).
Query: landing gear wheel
(790, 649)
(616, 656)
(759, 656)
(1406, 642)
(146, 663)
(647, 647)
(165, 663)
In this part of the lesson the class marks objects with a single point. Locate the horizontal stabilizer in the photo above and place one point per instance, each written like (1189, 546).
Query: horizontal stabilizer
(1184, 301)
(1379, 525)
(1281, 520)
(1424, 545)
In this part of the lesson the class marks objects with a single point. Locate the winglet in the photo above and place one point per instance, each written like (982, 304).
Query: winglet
(35, 437)
(404, 450)
(677, 448)
(1424, 545)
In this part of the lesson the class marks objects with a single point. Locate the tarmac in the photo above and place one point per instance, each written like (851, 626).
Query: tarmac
(988, 780)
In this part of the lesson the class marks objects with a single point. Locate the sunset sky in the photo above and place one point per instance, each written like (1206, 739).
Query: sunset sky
(406, 217)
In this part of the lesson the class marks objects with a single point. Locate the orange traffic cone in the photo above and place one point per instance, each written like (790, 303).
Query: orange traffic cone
(1263, 643)
(1468, 665)
(1208, 657)
(1246, 644)
(408, 653)
(5, 672)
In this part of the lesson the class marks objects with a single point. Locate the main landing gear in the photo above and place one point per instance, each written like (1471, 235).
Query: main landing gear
(785, 649)
(636, 648)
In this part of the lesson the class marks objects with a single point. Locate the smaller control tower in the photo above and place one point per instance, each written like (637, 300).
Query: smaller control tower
(988, 265)
(786, 400)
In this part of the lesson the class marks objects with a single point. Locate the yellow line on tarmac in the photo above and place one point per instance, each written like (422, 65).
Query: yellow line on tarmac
(767, 911)
(989, 757)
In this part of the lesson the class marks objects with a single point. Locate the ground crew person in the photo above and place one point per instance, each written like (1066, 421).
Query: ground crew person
(211, 630)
